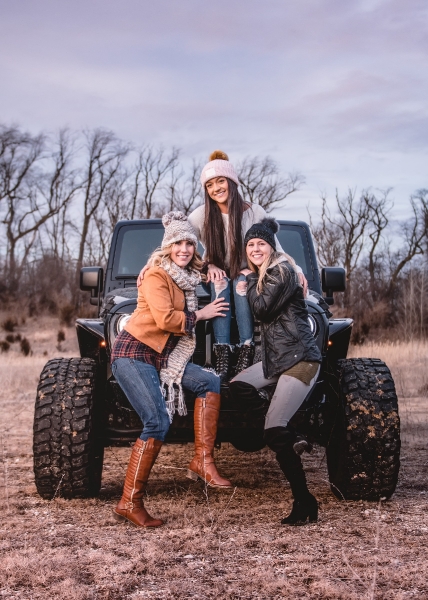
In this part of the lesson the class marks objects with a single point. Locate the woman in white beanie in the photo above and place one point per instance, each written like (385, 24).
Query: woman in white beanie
(221, 224)
(150, 361)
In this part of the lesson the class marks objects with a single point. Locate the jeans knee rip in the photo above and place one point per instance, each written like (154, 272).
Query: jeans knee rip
(220, 286)
(241, 288)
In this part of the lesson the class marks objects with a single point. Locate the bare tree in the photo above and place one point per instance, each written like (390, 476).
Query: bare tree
(32, 195)
(105, 156)
(54, 234)
(342, 236)
(19, 152)
(262, 183)
(328, 238)
(150, 172)
(378, 207)
(415, 232)
(184, 192)
(114, 206)
(353, 221)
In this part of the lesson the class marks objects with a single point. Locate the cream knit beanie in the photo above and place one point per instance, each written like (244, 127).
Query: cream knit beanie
(219, 166)
(177, 228)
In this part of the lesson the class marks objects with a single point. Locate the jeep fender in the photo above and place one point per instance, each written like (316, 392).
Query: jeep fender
(90, 335)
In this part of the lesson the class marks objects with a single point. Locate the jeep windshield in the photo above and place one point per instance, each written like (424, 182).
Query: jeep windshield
(137, 240)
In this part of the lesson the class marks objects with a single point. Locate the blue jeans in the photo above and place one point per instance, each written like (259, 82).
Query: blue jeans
(244, 316)
(141, 385)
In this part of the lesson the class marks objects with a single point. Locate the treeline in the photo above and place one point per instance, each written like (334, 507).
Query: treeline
(385, 262)
(61, 195)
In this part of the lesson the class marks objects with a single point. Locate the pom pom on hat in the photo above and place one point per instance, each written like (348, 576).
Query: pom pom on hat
(265, 230)
(177, 228)
(271, 224)
(218, 155)
(219, 166)
(174, 215)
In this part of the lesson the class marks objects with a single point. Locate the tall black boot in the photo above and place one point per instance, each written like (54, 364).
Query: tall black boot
(222, 354)
(300, 443)
(305, 505)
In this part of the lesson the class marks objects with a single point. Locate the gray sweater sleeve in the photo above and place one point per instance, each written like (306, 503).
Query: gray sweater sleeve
(196, 219)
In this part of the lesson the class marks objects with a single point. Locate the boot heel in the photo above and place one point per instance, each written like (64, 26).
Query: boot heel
(118, 518)
(191, 475)
(313, 514)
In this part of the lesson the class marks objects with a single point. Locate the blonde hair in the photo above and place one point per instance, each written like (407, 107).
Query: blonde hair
(264, 276)
(159, 254)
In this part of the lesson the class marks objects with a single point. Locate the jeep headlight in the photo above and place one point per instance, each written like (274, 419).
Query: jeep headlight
(313, 325)
(121, 322)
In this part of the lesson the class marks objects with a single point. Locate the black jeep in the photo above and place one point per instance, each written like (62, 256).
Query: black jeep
(80, 409)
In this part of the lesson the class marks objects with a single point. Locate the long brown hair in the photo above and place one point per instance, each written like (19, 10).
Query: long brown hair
(215, 234)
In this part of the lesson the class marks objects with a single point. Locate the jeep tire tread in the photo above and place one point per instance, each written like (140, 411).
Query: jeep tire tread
(68, 456)
(363, 455)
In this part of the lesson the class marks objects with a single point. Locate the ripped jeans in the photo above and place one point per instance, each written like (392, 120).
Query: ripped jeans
(140, 383)
(244, 317)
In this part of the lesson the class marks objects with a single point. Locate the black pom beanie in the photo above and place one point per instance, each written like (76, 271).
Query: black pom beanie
(265, 230)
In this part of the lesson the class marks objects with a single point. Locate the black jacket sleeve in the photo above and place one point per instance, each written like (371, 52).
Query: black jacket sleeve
(275, 295)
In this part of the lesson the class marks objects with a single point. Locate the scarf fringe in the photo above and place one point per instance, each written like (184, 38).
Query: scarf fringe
(183, 351)
(174, 400)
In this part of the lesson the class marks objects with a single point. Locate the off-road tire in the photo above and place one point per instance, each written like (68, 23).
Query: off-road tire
(363, 455)
(68, 456)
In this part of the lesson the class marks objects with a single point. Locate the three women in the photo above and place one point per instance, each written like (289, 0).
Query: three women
(220, 225)
(147, 353)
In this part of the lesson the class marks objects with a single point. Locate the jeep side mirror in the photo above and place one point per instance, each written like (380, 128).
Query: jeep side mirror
(333, 279)
(92, 280)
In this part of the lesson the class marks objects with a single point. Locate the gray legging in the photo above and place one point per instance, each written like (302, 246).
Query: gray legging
(288, 397)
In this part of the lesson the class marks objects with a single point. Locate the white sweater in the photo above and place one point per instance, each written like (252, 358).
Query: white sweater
(252, 215)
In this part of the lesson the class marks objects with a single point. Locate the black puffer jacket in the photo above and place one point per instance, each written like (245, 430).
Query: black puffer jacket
(281, 310)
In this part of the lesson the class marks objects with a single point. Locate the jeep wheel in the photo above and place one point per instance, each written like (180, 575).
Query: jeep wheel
(363, 456)
(68, 456)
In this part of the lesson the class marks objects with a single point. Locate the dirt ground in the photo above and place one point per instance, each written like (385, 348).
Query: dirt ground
(215, 544)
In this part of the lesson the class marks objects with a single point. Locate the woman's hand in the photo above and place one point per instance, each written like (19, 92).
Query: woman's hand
(214, 309)
(215, 273)
(304, 283)
(141, 275)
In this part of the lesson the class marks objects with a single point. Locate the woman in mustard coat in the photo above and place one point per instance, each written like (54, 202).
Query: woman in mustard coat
(150, 360)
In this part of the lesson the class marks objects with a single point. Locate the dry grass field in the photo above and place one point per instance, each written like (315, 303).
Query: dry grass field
(215, 544)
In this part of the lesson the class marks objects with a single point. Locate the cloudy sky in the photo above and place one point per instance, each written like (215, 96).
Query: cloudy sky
(336, 89)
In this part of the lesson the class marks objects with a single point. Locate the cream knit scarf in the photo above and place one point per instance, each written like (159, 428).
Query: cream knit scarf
(183, 351)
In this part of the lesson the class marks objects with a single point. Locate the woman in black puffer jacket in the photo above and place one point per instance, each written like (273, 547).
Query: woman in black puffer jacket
(290, 357)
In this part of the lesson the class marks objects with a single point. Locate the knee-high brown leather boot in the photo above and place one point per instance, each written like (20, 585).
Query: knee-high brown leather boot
(131, 505)
(206, 415)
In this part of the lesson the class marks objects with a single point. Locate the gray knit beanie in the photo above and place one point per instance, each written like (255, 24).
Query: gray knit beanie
(177, 228)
